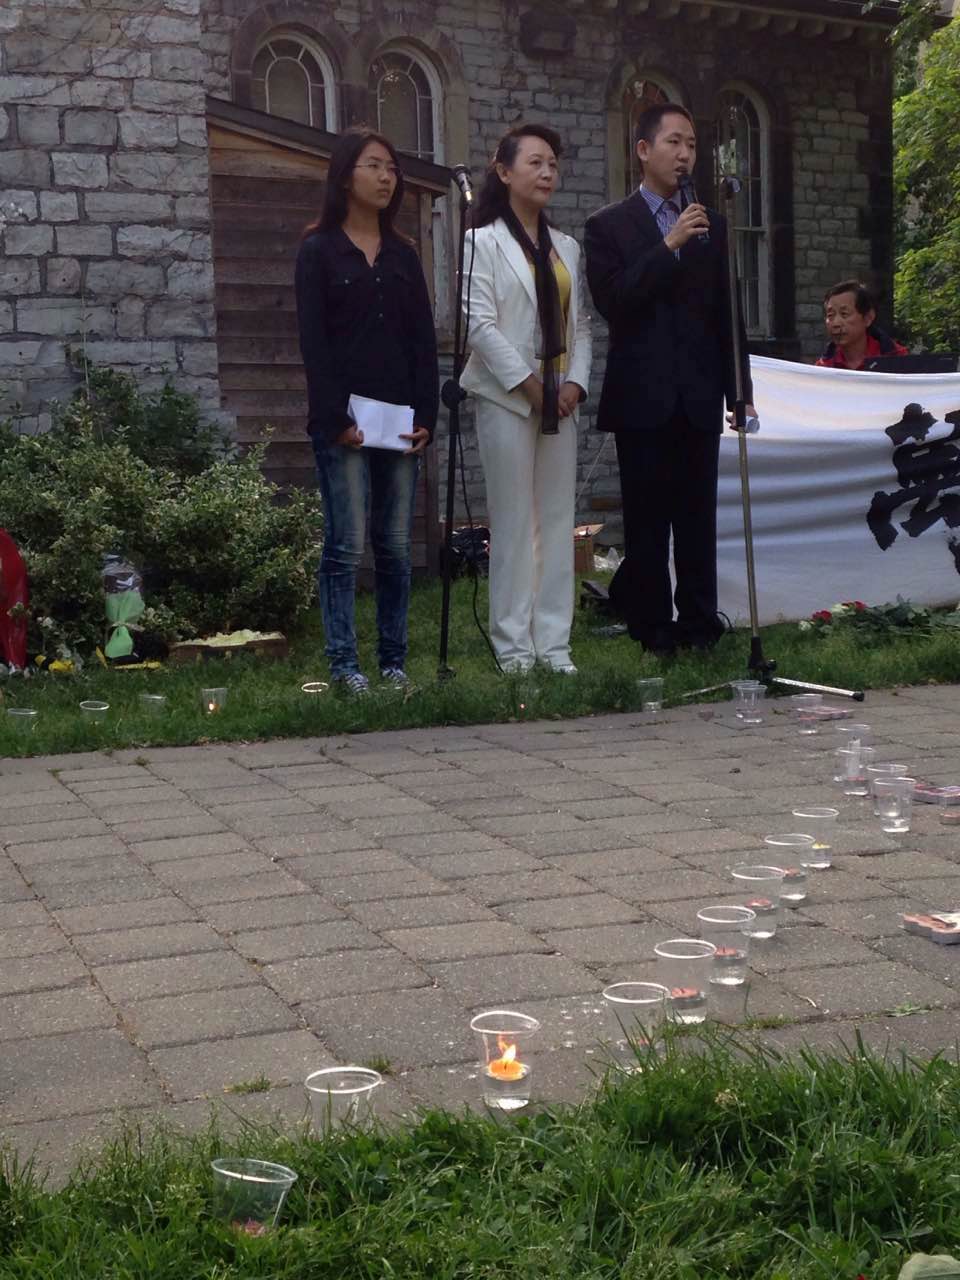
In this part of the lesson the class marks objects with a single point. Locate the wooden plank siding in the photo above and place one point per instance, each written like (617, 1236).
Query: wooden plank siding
(266, 183)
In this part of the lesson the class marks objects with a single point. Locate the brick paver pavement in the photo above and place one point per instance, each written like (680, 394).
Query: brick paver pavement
(177, 922)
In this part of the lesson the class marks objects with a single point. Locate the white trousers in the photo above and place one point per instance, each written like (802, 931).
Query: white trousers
(530, 480)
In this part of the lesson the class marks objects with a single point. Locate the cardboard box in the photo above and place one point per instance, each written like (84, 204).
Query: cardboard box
(583, 536)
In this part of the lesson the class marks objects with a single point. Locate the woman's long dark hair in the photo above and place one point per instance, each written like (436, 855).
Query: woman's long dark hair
(346, 152)
(494, 197)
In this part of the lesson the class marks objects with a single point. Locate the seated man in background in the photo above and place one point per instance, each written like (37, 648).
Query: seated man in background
(850, 313)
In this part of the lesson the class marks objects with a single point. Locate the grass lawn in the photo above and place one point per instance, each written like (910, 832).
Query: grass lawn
(265, 699)
(722, 1163)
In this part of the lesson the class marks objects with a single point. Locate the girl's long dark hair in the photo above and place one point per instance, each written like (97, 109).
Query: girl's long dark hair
(346, 152)
(494, 197)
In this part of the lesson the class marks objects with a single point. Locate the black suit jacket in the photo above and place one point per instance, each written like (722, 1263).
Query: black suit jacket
(669, 318)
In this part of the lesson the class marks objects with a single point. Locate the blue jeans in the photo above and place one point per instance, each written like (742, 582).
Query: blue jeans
(353, 482)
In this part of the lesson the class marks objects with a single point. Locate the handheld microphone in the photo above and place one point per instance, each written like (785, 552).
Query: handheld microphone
(461, 176)
(687, 186)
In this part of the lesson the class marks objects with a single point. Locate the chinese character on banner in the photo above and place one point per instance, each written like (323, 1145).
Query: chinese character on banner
(928, 471)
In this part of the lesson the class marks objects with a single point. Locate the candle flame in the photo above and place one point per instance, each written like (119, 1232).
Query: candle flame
(506, 1066)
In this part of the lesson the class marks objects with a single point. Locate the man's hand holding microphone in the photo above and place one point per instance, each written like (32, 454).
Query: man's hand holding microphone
(693, 221)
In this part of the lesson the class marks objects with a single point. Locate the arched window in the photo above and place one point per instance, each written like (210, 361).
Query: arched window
(741, 149)
(408, 93)
(639, 94)
(294, 78)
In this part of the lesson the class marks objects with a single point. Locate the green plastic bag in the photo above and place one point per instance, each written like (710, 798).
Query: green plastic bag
(123, 608)
(922, 1265)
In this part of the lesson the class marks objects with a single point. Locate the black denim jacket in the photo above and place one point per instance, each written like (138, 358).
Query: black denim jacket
(364, 330)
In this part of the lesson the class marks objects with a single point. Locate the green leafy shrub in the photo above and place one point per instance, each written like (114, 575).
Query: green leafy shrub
(164, 428)
(927, 192)
(217, 548)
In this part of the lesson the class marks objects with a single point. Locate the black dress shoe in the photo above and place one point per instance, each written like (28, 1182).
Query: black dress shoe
(701, 635)
(658, 640)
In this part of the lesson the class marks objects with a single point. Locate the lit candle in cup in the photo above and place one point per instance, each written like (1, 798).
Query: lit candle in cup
(213, 700)
(507, 1067)
(505, 1075)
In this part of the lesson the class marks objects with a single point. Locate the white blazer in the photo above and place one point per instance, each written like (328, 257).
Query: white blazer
(504, 334)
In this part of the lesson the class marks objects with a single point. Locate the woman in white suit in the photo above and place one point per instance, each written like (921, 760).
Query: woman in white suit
(529, 368)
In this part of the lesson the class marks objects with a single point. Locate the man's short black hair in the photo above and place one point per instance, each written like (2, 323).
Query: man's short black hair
(863, 298)
(648, 126)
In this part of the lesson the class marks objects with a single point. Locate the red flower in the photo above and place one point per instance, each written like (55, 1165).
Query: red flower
(822, 615)
(859, 606)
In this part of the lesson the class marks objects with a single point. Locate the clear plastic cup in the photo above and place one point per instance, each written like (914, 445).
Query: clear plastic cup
(341, 1096)
(749, 695)
(805, 707)
(213, 701)
(506, 1070)
(249, 1194)
(636, 1014)
(849, 736)
(818, 821)
(726, 928)
(895, 802)
(23, 719)
(93, 709)
(686, 964)
(794, 849)
(876, 771)
(651, 694)
(763, 885)
(852, 765)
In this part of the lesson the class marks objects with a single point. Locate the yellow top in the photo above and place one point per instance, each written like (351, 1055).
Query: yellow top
(564, 287)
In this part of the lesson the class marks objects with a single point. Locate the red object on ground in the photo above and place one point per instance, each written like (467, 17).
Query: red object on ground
(13, 591)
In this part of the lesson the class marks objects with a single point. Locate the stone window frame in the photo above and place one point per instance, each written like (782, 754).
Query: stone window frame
(442, 63)
(762, 325)
(297, 19)
(407, 50)
(620, 145)
(312, 45)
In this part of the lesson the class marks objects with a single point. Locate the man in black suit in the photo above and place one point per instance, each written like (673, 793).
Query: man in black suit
(657, 269)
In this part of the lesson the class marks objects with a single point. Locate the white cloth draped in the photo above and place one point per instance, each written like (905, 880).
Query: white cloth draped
(821, 456)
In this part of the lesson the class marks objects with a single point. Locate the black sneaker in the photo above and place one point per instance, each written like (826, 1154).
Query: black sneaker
(356, 684)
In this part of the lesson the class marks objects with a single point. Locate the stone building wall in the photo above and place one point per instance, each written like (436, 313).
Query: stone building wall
(103, 148)
(103, 188)
(826, 91)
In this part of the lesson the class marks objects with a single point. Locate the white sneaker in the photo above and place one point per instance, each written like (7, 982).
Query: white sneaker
(516, 666)
(565, 669)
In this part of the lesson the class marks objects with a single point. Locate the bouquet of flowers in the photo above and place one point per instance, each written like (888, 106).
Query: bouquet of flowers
(880, 621)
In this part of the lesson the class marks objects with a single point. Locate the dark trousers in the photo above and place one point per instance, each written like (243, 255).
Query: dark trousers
(668, 484)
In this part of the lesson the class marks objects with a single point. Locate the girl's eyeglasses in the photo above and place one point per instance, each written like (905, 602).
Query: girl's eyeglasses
(377, 166)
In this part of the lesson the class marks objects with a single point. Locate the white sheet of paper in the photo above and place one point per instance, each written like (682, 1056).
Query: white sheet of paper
(381, 423)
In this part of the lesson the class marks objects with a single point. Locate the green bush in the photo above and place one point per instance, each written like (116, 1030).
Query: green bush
(142, 476)
(164, 428)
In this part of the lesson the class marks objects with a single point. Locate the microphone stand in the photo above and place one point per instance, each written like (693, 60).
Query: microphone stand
(452, 395)
(759, 666)
(730, 187)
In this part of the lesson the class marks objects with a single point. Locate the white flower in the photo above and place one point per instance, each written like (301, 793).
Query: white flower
(805, 624)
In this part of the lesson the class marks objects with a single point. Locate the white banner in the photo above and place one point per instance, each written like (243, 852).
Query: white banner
(856, 496)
